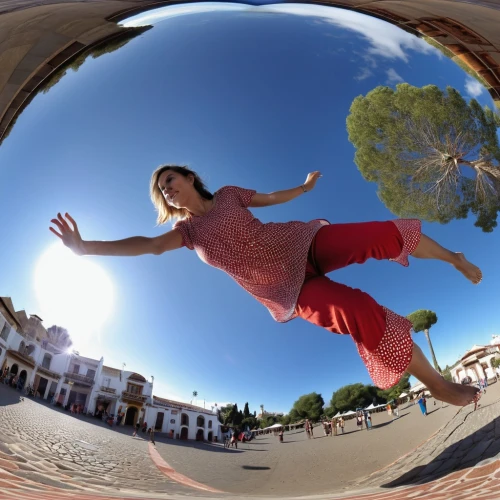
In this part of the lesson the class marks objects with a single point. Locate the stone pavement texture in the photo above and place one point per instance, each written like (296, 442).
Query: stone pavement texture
(47, 454)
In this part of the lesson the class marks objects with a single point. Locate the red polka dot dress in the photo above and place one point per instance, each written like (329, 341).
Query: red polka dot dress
(267, 260)
(283, 266)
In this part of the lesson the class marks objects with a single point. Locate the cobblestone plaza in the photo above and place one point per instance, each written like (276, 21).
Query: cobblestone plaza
(48, 453)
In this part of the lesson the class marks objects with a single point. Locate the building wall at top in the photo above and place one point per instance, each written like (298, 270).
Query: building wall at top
(37, 36)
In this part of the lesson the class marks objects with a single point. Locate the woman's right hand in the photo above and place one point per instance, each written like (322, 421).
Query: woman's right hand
(69, 236)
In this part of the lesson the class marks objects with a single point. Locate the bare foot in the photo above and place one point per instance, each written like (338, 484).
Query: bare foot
(455, 394)
(469, 270)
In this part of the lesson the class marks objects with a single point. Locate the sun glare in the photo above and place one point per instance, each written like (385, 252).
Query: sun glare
(72, 292)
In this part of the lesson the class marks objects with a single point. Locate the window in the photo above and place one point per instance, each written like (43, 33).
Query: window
(5, 331)
(91, 373)
(209, 424)
(107, 382)
(134, 389)
(46, 361)
(76, 369)
(200, 421)
(184, 419)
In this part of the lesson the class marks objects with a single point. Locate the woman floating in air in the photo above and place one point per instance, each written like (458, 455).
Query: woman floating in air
(284, 265)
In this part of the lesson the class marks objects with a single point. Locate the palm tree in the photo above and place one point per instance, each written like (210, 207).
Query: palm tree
(422, 320)
(195, 393)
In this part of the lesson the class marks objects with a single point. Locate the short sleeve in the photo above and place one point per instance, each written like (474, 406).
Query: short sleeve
(183, 227)
(244, 196)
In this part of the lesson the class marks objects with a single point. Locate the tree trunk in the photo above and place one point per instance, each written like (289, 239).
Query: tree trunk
(434, 360)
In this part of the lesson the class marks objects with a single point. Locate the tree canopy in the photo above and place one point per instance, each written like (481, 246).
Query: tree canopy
(432, 154)
(352, 396)
(422, 319)
(308, 406)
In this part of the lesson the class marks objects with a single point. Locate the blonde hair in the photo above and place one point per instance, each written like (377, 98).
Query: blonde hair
(165, 211)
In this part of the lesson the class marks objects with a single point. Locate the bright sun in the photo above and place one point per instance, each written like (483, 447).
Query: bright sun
(72, 291)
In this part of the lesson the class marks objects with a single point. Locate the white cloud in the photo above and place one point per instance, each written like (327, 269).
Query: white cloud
(157, 15)
(473, 87)
(364, 74)
(393, 76)
(386, 40)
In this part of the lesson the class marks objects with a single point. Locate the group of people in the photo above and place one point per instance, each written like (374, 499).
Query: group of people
(230, 440)
(11, 379)
(363, 417)
(330, 427)
(144, 428)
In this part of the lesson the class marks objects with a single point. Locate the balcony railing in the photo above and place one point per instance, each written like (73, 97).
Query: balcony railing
(108, 389)
(134, 397)
(79, 379)
(22, 357)
(49, 373)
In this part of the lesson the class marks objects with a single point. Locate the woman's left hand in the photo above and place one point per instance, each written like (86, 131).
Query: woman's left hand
(311, 180)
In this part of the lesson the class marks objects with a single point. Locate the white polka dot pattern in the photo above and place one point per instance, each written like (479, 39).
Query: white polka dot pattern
(389, 361)
(267, 260)
(410, 230)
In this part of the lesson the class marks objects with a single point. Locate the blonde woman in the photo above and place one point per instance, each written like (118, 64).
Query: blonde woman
(284, 265)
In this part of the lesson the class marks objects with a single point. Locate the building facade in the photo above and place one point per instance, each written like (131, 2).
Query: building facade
(477, 363)
(120, 392)
(183, 421)
(68, 379)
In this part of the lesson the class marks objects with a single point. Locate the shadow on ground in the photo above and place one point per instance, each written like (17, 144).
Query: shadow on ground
(481, 445)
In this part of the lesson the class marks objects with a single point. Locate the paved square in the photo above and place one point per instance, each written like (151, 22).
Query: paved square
(47, 453)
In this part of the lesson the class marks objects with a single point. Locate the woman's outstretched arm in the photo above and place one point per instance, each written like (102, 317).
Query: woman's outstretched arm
(137, 245)
(268, 199)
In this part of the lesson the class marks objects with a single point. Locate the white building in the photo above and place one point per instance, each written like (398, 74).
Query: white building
(476, 363)
(68, 379)
(28, 362)
(183, 421)
(77, 381)
(120, 392)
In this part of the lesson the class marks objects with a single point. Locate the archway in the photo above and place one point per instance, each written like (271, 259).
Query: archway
(210, 436)
(42, 386)
(184, 433)
(200, 435)
(159, 420)
(14, 369)
(131, 415)
(22, 379)
(184, 419)
(200, 421)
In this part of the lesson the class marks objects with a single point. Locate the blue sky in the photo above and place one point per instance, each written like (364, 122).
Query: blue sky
(255, 97)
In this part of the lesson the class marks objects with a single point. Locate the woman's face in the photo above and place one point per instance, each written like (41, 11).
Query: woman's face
(176, 188)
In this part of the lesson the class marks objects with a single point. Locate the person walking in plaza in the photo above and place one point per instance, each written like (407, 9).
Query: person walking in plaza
(308, 429)
(395, 410)
(341, 424)
(334, 427)
(234, 440)
(325, 427)
(423, 406)
(359, 421)
(284, 265)
(136, 429)
(366, 420)
(151, 432)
